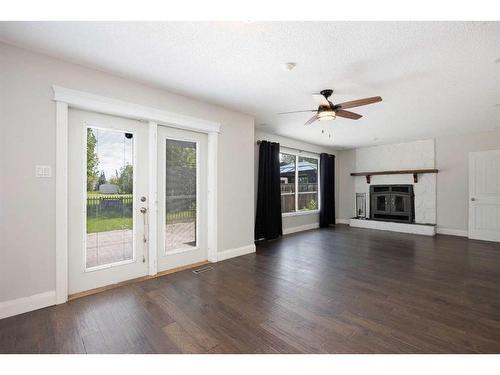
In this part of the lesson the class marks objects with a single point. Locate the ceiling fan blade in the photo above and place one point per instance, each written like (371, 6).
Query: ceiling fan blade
(348, 114)
(360, 102)
(311, 120)
(286, 113)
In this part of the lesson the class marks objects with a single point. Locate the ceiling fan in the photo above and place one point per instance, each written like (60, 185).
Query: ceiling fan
(328, 111)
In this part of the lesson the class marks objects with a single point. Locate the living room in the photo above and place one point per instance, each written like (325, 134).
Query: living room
(250, 187)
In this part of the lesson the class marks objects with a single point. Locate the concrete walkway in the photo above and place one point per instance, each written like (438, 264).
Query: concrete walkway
(116, 246)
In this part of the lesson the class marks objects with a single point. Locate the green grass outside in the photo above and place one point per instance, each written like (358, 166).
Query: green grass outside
(96, 225)
(105, 224)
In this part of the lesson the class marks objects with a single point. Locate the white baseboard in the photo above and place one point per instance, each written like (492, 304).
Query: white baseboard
(426, 230)
(343, 221)
(231, 253)
(25, 304)
(452, 232)
(300, 228)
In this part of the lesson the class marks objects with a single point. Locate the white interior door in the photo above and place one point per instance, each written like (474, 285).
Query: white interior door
(182, 198)
(107, 174)
(484, 195)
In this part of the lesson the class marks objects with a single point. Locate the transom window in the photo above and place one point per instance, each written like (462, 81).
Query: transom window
(299, 183)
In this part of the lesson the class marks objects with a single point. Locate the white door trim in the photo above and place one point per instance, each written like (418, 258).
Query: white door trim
(110, 106)
(61, 202)
(67, 98)
(153, 200)
(212, 197)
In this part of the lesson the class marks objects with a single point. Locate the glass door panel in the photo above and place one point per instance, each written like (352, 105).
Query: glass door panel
(180, 195)
(380, 203)
(110, 189)
(399, 204)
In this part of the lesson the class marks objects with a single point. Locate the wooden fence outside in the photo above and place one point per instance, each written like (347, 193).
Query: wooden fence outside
(179, 208)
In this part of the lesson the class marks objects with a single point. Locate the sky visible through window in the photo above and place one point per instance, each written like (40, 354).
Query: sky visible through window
(114, 151)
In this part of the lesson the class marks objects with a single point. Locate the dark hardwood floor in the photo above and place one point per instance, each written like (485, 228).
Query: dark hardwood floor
(339, 290)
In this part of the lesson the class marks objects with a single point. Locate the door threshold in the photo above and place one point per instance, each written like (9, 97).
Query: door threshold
(136, 280)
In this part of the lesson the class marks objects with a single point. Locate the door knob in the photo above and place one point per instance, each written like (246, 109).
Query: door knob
(143, 210)
(473, 199)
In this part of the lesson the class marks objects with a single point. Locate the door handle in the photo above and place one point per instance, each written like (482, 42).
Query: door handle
(143, 211)
(473, 199)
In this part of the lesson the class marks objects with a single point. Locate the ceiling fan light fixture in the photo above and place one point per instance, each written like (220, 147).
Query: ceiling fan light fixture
(327, 111)
(326, 116)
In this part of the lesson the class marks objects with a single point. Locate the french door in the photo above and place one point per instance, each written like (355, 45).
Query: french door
(108, 202)
(182, 198)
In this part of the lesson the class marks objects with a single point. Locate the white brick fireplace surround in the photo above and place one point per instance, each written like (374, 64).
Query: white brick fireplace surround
(401, 156)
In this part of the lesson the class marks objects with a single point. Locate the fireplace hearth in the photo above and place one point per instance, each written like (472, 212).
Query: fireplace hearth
(392, 203)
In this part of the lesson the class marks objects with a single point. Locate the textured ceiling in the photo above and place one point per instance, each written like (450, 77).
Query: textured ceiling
(436, 78)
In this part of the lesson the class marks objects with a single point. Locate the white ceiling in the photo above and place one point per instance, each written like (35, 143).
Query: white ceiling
(436, 78)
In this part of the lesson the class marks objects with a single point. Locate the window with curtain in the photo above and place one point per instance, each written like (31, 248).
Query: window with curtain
(299, 183)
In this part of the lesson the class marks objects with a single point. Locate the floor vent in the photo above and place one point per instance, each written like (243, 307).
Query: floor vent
(203, 269)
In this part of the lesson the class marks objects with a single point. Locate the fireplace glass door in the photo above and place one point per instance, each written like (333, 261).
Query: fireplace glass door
(400, 205)
(381, 204)
(392, 203)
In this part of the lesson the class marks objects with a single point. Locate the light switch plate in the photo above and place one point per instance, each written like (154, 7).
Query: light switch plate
(43, 171)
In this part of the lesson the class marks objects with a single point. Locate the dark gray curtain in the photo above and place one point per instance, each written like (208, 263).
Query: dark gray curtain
(327, 181)
(268, 216)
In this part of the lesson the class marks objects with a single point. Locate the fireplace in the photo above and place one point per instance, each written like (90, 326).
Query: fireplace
(392, 203)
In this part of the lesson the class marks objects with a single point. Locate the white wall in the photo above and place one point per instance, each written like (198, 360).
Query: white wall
(27, 205)
(346, 161)
(452, 160)
(291, 223)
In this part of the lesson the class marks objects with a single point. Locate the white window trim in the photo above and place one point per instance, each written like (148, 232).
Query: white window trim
(297, 153)
(300, 213)
(67, 98)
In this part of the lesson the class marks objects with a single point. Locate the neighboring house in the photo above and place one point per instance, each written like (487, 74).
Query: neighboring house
(308, 172)
(108, 189)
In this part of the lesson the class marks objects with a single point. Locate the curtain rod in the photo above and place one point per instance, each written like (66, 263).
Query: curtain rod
(295, 148)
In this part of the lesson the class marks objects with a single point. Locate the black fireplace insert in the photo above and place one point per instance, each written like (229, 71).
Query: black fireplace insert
(392, 203)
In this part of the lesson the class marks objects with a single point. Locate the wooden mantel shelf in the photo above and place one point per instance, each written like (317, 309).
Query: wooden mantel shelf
(414, 172)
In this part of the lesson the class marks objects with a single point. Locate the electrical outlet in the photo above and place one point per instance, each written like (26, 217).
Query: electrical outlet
(43, 171)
